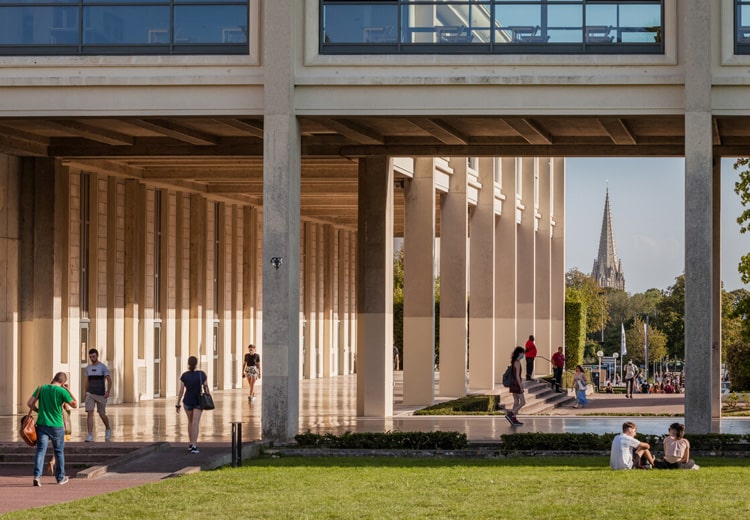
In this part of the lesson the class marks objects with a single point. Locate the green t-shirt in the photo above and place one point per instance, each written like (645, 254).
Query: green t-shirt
(51, 399)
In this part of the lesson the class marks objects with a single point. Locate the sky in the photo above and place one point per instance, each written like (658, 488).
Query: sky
(647, 205)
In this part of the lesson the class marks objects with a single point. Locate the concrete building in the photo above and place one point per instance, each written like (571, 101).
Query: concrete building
(182, 179)
(607, 270)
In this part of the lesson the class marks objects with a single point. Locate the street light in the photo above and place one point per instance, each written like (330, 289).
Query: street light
(599, 354)
(615, 356)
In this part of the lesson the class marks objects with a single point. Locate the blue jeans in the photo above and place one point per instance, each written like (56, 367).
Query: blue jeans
(44, 434)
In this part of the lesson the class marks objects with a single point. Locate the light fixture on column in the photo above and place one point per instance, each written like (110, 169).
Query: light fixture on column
(276, 262)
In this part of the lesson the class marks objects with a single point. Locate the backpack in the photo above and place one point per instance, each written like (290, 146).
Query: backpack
(508, 377)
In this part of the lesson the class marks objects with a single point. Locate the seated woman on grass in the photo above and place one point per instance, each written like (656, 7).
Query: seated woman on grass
(677, 450)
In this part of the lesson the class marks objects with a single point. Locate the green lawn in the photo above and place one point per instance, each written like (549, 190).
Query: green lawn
(377, 488)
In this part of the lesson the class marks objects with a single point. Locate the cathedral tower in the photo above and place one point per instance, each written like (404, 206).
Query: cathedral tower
(607, 267)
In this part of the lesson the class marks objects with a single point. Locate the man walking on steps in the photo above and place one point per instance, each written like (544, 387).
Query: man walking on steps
(98, 384)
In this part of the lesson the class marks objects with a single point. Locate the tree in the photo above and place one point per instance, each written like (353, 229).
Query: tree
(583, 288)
(657, 342)
(742, 188)
(670, 318)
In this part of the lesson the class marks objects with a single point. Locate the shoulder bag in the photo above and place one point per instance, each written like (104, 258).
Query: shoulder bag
(27, 431)
(206, 402)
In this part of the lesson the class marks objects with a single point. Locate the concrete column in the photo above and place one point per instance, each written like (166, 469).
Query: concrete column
(454, 230)
(309, 290)
(116, 283)
(716, 289)
(506, 261)
(557, 267)
(319, 298)
(182, 284)
(482, 282)
(250, 269)
(134, 245)
(10, 240)
(375, 288)
(281, 221)
(543, 276)
(344, 295)
(170, 317)
(526, 254)
(329, 260)
(700, 296)
(419, 284)
(238, 323)
(353, 290)
(198, 271)
(208, 342)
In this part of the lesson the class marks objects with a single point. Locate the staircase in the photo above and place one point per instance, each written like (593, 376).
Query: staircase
(540, 398)
(16, 458)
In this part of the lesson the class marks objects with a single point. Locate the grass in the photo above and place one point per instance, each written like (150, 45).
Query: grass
(380, 488)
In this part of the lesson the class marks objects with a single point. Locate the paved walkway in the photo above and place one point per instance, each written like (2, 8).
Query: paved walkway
(327, 405)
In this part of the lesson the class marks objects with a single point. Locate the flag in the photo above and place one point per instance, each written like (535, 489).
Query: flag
(623, 347)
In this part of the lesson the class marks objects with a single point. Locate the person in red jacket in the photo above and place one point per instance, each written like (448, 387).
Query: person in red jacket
(558, 364)
(530, 356)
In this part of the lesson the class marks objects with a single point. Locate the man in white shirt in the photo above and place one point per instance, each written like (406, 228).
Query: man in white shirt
(628, 452)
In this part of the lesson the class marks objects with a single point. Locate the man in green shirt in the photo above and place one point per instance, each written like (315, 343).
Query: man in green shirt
(48, 401)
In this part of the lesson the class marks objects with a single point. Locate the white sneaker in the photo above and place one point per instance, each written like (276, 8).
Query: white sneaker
(89, 438)
(696, 467)
(108, 435)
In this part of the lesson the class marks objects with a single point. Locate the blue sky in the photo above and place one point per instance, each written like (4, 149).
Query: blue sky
(647, 202)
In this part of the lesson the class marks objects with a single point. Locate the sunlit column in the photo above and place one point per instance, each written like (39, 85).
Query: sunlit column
(526, 252)
(506, 246)
(543, 276)
(557, 268)
(454, 227)
(482, 282)
(375, 288)
(419, 285)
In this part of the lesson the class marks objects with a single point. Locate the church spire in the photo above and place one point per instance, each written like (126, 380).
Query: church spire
(607, 267)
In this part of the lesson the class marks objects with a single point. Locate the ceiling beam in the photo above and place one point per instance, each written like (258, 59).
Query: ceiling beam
(473, 150)
(531, 131)
(93, 133)
(17, 142)
(440, 130)
(357, 133)
(249, 126)
(175, 131)
(618, 130)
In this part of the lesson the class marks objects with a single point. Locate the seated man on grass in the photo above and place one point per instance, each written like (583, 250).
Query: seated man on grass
(628, 452)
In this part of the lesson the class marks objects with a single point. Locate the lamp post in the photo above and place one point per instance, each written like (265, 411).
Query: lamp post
(615, 356)
(599, 354)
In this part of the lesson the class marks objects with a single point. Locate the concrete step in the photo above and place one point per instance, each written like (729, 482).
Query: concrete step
(18, 456)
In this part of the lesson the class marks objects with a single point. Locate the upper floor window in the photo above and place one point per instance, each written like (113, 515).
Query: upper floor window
(492, 26)
(742, 27)
(123, 27)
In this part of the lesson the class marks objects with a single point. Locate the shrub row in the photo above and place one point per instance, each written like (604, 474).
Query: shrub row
(397, 440)
(470, 404)
(391, 440)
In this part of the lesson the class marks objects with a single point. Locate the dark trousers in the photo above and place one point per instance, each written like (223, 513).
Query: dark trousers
(529, 367)
(629, 386)
(557, 372)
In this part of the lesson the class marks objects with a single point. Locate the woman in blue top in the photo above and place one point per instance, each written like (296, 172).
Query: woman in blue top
(190, 385)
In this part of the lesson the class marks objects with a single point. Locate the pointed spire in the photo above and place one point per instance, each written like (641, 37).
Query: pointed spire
(607, 269)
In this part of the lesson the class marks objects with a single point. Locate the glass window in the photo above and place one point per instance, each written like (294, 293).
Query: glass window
(491, 26)
(123, 27)
(742, 27)
(38, 25)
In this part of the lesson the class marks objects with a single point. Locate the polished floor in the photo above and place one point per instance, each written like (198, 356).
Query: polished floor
(329, 405)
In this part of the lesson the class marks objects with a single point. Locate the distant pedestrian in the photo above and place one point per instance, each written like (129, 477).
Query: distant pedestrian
(516, 387)
(631, 374)
(628, 452)
(396, 358)
(530, 357)
(48, 401)
(98, 386)
(558, 365)
(191, 383)
(251, 368)
(580, 383)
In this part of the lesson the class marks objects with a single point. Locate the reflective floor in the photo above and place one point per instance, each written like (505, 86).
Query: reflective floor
(329, 405)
